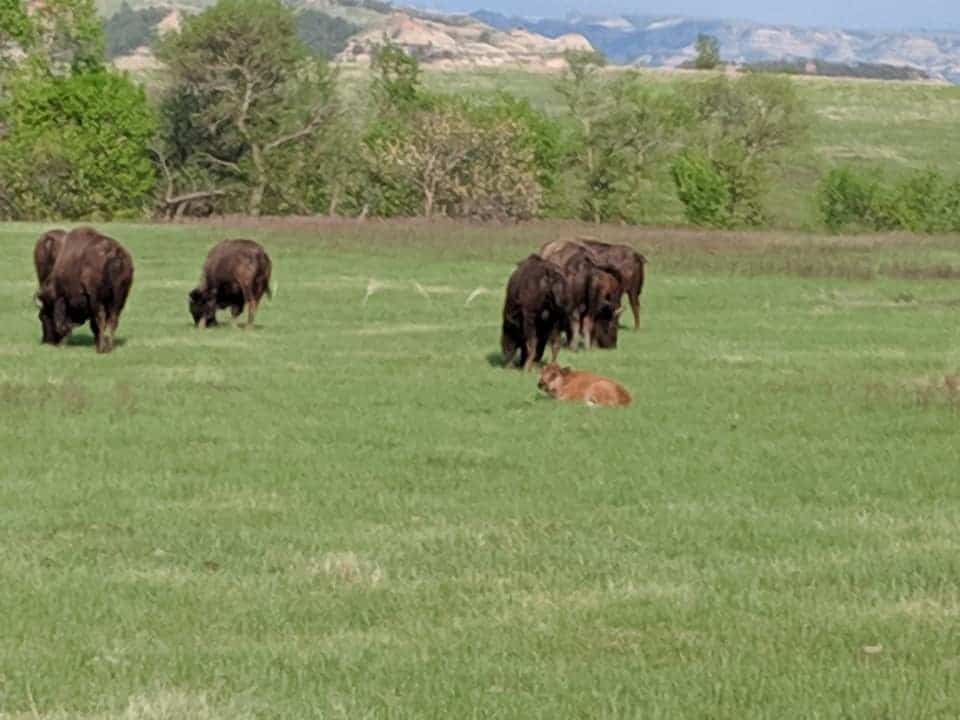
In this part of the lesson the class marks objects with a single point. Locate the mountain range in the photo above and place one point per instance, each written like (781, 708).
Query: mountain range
(348, 30)
(668, 41)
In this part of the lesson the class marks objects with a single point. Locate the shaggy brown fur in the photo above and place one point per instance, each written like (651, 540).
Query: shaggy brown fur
(235, 274)
(90, 280)
(566, 384)
(45, 252)
(628, 264)
(595, 289)
(536, 310)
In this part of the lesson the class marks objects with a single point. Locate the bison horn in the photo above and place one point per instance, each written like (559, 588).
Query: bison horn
(37, 301)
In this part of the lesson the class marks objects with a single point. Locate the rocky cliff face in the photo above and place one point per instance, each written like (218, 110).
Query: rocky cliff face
(466, 43)
(448, 41)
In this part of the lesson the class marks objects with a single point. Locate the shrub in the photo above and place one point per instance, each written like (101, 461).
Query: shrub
(702, 189)
(846, 198)
(76, 147)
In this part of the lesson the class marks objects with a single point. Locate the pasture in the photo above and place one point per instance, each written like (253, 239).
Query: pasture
(353, 511)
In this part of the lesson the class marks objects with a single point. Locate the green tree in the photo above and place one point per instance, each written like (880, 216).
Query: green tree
(744, 129)
(68, 36)
(708, 52)
(583, 94)
(324, 34)
(396, 85)
(76, 146)
(128, 29)
(255, 88)
(639, 127)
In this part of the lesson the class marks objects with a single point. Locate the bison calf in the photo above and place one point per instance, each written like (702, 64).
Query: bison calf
(236, 274)
(536, 311)
(89, 279)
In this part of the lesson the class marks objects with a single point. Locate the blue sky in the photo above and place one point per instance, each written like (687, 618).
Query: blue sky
(880, 14)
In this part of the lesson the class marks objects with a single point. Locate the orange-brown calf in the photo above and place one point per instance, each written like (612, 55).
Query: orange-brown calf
(567, 384)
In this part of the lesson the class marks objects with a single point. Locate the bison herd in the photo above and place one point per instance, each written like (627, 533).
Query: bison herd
(85, 276)
(569, 294)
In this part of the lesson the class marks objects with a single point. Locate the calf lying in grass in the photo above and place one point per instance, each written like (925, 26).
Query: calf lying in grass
(563, 383)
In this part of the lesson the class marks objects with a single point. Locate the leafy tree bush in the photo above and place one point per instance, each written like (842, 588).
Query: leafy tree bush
(923, 202)
(259, 96)
(324, 34)
(76, 146)
(708, 52)
(846, 198)
(742, 128)
(703, 191)
(128, 29)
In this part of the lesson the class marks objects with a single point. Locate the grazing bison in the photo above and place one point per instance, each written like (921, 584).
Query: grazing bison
(595, 291)
(627, 261)
(236, 274)
(536, 311)
(630, 263)
(46, 251)
(89, 280)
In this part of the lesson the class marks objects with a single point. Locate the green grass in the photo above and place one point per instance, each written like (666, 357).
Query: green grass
(352, 512)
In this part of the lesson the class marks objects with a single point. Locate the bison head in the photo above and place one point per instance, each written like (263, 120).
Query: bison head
(552, 378)
(203, 307)
(53, 316)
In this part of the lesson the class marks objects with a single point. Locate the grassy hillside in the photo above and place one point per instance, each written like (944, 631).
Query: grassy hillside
(892, 127)
(351, 511)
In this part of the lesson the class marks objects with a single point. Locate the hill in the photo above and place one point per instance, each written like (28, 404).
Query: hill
(348, 30)
(668, 41)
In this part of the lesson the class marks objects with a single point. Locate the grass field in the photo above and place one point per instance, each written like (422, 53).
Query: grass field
(352, 511)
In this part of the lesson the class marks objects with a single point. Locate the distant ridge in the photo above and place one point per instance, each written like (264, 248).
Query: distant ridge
(668, 41)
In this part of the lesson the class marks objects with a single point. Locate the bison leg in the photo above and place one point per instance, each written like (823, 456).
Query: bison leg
(530, 353)
(251, 313)
(574, 340)
(98, 323)
(555, 343)
(635, 307)
(587, 331)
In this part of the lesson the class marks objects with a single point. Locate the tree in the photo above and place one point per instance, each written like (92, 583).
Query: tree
(325, 35)
(460, 167)
(396, 85)
(708, 52)
(128, 29)
(584, 99)
(257, 94)
(76, 147)
(639, 126)
(743, 129)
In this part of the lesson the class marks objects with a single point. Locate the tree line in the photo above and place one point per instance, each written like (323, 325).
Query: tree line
(246, 118)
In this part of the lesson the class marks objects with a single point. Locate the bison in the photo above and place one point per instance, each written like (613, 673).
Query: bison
(536, 311)
(235, 274)
(595, 291)
(628, 262)
(46, 251)
(90, 279)
(631, 265)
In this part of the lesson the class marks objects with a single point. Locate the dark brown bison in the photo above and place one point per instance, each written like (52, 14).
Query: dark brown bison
(628, 262)
(45, 252)
(236, 274)
(536, 311)
(90, 280)
(595, 291)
